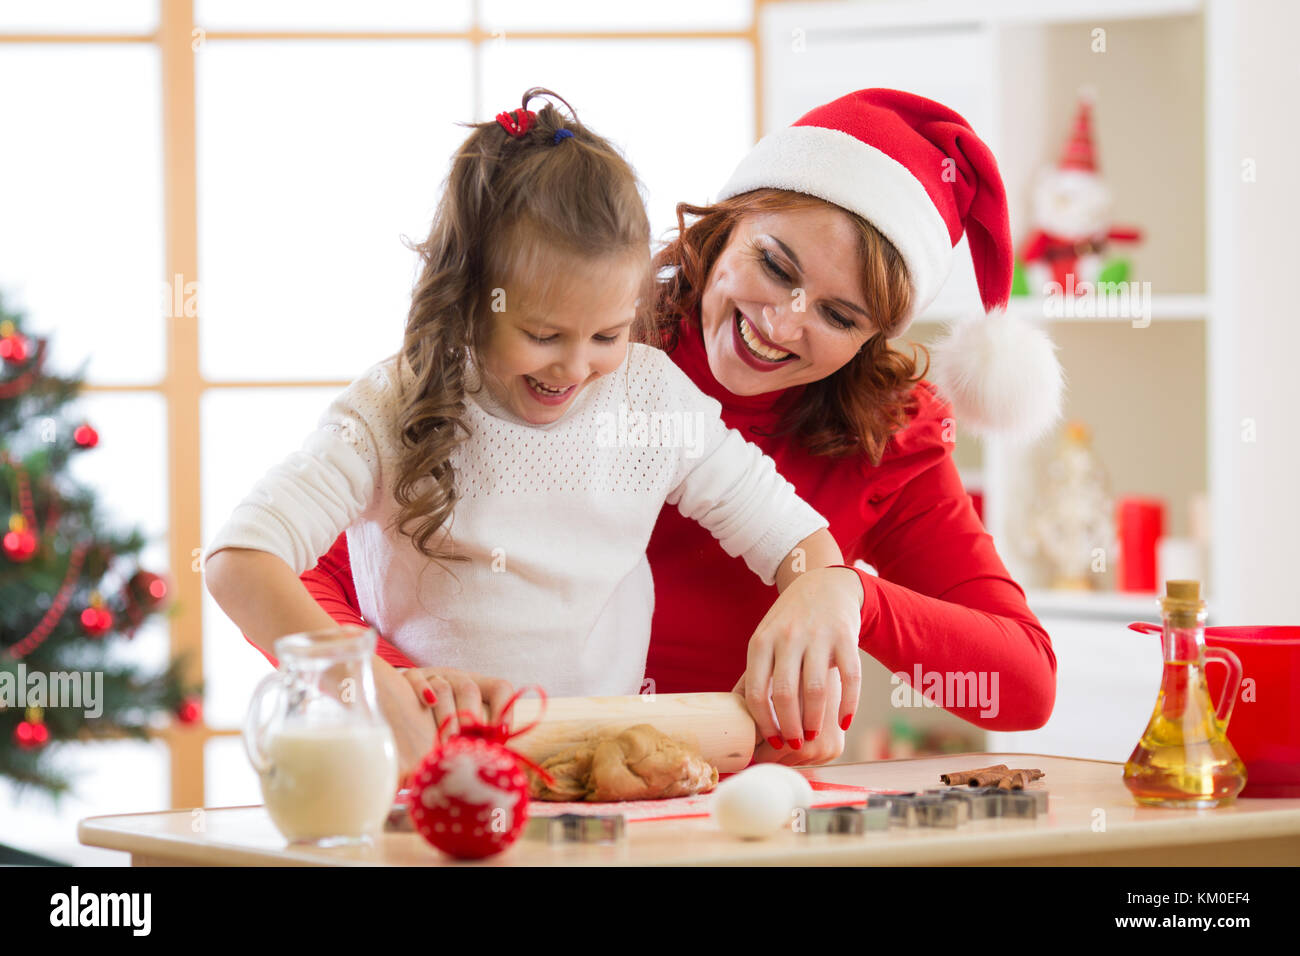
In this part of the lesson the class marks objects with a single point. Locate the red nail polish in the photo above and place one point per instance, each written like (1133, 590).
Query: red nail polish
(810, 734)
(796, 744)
(429, 697)
(844, 724)
(776, 742)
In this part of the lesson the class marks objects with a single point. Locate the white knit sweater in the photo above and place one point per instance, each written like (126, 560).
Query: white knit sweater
(554, 519)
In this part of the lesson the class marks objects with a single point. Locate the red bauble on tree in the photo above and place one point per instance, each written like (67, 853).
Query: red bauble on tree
(190, 711)
(27, 735)
(147, 589)
(469, 797)
(145, 593)
(19, 541)
(13, 347)
(85, 436)
(32, 734)
(96, 620)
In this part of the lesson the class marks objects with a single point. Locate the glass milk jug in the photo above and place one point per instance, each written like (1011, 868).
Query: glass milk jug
(1184, 758)
(324, 754)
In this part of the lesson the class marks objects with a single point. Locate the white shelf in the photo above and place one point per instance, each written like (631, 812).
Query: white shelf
(1177, 307)
(1117, 606)
(1095, 605)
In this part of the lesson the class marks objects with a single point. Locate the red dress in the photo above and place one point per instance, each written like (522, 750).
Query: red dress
(943, 602)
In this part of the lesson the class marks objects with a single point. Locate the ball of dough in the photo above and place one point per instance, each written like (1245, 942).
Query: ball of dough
(640, 763)
(754, 805)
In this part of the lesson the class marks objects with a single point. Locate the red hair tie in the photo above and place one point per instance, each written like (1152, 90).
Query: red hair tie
(517, 122)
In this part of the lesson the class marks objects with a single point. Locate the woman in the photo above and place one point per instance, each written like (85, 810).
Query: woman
(830, 237)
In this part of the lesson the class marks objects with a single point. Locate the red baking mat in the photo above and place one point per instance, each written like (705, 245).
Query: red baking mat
(686, 808)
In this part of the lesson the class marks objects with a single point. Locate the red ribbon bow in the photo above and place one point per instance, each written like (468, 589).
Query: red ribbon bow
(517, 122)
(496, 732)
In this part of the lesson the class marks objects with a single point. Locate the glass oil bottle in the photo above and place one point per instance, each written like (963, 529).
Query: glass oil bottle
(1184, 758)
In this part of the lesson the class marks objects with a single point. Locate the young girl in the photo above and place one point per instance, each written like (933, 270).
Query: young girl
(500, 476)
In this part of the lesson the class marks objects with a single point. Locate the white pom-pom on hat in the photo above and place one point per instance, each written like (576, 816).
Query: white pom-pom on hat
(1001, 374)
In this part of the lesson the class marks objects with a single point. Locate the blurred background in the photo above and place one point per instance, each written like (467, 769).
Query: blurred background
(202, 204)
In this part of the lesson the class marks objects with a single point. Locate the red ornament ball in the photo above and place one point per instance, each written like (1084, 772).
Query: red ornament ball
(95, 621)
(19, 545)
(468, 797)
(13, 348)
(147, 589)
(85, 436)
(30, 736)
(190, 711)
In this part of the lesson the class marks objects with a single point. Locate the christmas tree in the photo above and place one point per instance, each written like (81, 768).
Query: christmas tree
(69, 585)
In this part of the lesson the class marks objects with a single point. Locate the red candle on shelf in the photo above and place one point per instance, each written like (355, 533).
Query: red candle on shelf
(1140, 523)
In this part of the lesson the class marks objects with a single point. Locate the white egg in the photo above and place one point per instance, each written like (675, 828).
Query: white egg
(754, 805)
(802, 789)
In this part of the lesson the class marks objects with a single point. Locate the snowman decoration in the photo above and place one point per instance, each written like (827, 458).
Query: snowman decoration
(1072, 231)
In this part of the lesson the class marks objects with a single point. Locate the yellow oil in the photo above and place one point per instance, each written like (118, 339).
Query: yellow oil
(1184, 758)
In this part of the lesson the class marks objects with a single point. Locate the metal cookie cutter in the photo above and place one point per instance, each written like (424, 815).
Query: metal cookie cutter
(849, 820)
(1018, 804)
(852, 820)
(902, 807)
(577, 828)
(1040, 798)
(935, 811)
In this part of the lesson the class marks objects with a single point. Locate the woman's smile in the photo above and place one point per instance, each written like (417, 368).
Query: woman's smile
(774, 305)
(755, 348)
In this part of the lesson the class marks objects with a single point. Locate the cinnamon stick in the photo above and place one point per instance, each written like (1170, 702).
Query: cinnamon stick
(960, 777)
(999, 775)
(1016, 781)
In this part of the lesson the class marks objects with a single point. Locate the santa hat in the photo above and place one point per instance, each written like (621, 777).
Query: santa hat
(1079, 152)
(915, 170)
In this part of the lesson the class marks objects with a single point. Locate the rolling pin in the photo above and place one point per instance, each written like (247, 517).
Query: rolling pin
(718, 724)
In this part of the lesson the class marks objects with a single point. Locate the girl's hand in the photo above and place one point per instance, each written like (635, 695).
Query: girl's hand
(447, 691)
(827, 746)
(410, 720)
(810, 629)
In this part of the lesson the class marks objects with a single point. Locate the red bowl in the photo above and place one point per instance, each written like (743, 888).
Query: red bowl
(1265, 725)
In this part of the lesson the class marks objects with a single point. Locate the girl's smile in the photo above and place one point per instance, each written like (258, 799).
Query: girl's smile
(552, 342)
(547, 394)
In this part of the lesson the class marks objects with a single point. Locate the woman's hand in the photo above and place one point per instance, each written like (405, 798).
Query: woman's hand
(827, 746)
(448, 691)
(811, 629)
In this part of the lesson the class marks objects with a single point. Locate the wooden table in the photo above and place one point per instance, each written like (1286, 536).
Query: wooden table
(1091, 821)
